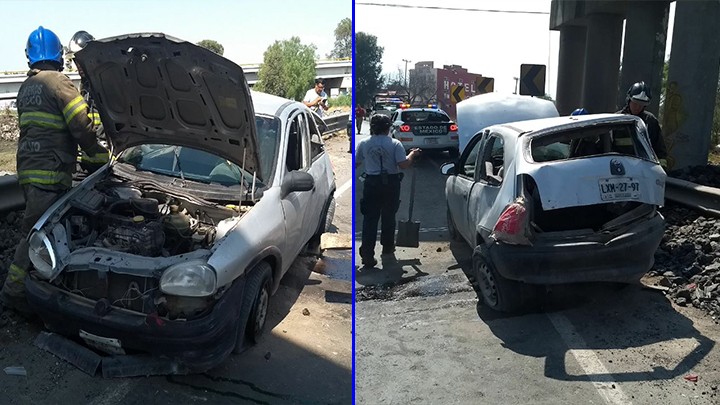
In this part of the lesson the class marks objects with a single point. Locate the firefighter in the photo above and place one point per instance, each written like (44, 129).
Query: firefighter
(86, 163)
(383, 157)
(638, 97)
(53, 119)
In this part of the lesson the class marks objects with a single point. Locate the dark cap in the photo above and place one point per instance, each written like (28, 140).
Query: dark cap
(379, 124)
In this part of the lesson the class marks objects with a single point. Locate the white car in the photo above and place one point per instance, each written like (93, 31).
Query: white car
(556, 200)
(425, 128)
(177, 245)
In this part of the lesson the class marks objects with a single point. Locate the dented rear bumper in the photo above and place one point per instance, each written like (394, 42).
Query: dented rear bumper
(626, 257)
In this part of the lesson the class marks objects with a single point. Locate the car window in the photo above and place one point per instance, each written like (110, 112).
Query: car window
(297, 149)
(589, 141)
(469, 159)
(316, 143)
(424, 117)
(268, 135)
(491, 167)
(187, 163)
(395, 117)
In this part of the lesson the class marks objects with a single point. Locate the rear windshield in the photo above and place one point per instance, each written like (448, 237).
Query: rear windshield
(424, 116)
(590, 141)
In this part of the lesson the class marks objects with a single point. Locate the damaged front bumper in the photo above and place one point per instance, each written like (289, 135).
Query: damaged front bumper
(197, 345)
(626, 257)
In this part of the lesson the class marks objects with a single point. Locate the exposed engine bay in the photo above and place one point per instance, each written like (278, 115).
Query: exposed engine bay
(151, 223)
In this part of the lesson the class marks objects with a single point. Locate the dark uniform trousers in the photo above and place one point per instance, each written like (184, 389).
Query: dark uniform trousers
(380, 201)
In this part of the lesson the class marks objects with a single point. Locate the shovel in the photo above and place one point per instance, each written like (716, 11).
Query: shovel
(409, 231)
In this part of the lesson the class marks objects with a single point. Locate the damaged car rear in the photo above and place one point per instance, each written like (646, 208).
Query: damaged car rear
(176, 246)
(555, 201)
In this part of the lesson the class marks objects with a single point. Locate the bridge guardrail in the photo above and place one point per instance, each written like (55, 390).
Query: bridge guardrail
(337, 122)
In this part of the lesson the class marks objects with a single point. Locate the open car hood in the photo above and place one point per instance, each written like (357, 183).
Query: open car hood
(155, 89)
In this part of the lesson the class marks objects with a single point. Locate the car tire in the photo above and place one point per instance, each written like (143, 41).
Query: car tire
(326, 218)
(452, 230)
(454, 153)
(497, 292)
(254, 310)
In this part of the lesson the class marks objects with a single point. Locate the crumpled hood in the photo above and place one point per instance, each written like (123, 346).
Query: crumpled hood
(152, 88)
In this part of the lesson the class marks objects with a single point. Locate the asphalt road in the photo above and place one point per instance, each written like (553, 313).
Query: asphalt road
(305, 357)
(422, 338)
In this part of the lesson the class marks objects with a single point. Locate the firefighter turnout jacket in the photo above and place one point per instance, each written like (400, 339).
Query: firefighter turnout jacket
(54, 120)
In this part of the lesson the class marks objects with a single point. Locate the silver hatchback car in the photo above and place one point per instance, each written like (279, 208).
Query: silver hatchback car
(556, 200)
(176, 246)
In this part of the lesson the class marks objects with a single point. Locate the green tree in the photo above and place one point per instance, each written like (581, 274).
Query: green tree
(368, 67)
(343, 40)
(288, 69)
(212, 45)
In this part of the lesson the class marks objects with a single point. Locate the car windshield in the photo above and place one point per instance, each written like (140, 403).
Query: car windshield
(589, 141)
(197, 165)
(424, 116)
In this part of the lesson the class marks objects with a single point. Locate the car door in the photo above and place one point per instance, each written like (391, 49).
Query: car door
(322, 174)
(459, 186)
(483, 206)
(295, 204)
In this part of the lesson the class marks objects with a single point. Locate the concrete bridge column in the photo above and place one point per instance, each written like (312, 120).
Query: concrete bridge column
(644, 51)
(602, 62)
(692, 82)
(571, 66)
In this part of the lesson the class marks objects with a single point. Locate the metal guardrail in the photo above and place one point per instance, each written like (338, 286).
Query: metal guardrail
(698, 197)
(337, 122)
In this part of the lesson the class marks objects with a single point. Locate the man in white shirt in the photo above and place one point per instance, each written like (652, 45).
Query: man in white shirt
(316, 98)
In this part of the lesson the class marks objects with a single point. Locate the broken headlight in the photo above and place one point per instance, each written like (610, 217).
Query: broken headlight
(41, 254)
(189, 279)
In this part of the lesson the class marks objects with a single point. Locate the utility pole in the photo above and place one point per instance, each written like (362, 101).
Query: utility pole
(406, 78)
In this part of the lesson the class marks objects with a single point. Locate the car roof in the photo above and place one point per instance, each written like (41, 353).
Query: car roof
(268, 104)
(559, 123)
(423, 109)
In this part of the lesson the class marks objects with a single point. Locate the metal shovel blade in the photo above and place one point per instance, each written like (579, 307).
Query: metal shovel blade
(408, 234)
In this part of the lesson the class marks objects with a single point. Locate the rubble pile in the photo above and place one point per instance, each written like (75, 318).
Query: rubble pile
(9, 130)
(688, 259)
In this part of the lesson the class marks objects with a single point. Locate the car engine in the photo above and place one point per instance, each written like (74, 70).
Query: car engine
(148, 223)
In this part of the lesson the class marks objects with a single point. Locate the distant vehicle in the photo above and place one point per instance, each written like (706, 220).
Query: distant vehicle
(425, 128)
(481, 111)
(385, 105)
(554, 201)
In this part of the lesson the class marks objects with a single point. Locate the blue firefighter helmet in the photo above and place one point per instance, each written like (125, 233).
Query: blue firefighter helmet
(43, 46)
(580, 111)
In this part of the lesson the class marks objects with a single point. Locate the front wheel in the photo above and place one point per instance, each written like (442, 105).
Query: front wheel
(255, 304)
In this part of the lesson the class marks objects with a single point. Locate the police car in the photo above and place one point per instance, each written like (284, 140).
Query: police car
(425, 128)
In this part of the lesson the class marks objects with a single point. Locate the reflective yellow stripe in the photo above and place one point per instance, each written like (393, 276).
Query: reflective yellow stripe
(96, 158)
(47, 177)
(95, 117)
(16, 273)
(72, 104)
(41, 119)
(623, 142)
(75, 111)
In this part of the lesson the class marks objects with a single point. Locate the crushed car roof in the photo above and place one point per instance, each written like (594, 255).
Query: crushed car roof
(560, 123)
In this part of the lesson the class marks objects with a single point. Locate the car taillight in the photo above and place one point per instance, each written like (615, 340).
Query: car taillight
(512, 226)
(405, 128)
(453, 128)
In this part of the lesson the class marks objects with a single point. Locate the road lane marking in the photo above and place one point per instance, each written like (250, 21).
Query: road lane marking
(339, 192)
(599, 376)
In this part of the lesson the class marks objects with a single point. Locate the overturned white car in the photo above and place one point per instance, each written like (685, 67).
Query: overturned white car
(176, 246)
(556, 200)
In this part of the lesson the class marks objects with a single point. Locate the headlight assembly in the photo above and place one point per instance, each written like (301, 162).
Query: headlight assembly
(189, 279)
(42, 254)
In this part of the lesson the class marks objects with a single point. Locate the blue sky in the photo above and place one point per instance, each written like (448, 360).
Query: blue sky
(244, 27)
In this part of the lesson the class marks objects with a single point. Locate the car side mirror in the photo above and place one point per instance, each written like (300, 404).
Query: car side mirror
(448, 169)
(297, 181)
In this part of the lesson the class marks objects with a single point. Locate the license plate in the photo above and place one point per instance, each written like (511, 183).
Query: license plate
(429, 130)
(431, 141)
(107, 345)
(619, 188)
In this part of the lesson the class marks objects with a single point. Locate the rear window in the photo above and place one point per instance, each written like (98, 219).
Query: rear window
(424, 116)
(590, 141)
